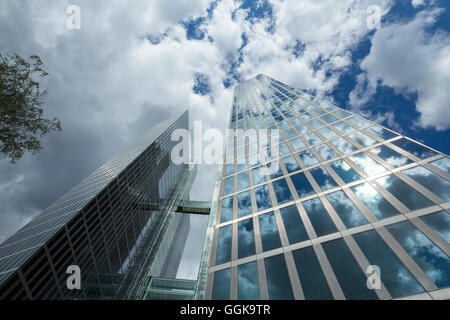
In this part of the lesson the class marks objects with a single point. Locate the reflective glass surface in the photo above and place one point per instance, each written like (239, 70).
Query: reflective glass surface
(248, 285)
(440, 223)
(392, 157)
(323, 178)
(244, 204)
(378, 253)
(312, 138)
(443, 164)
(381, 132)
(278, 282)
(403, 192)
(430, 258)
(325, 152)
(224, 245)
(327, 133)
(343, 127)
(258, 175)
(262, 198)
(229, 169)
(414, 148)
(297, 144)
(227, 210)
(329, 118)
(343, 146)
(346, 210)
(284, 149)
(221, 286)
(293, 224)
(275, 169)
(282, 191)
(319, 217)
(351, 278)
(228, 185)
(246, 238)
(358, 121)
(367, 164)
(270, 237)
(291, 164)
(243, 182)
(436, 184)
(344, 171)
(302, 185)
(308, 158)
(313, 282)
(363, 139)
(376, 203)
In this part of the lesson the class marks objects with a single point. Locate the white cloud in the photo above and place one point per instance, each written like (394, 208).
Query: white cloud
(405, 57)
(417, 3)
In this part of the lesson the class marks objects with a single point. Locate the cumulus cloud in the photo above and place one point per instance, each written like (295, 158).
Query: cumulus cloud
(408, 59)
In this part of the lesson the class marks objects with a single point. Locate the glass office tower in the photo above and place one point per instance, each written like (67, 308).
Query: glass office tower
(118, 225)
(343, 194)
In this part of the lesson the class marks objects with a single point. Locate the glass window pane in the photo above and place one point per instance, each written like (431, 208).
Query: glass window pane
(297, 144)
(359, 122)
(344, 171)
(224, 245)
(282, 191)
(394, 275)
(443, 164)
(327, 133)
(248, 285)
(291, 164)
(376, 203)
(314, 284)
(258, 175)
(278, 282)
(289, 133)
(323, 178)
(308, 158)
(325, 152)
(270, 238)
(430, 258)
(392, 157)
(315, 124)
(343, 127)
(293, 224)
(343, 146)
(312, 138)
(363, 139)
(381, 132)
(221, 285)
(246, 238)
(262, 198)
(274, 169)
(227, 210)
(414, 148)
(439, 186)
(244, 204)
(342, 113)
(403, 192)
(302, 128)
(228, 185)
(319, 217)
(347, 270)
(243, 182)
(284, 149)
(329, 118)
(440, 223)
(367, 164)
(302, 185)
(346, 210)
(229, 169)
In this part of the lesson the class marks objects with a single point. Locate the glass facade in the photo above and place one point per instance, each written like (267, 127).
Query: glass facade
(118, 225)
(347, 194)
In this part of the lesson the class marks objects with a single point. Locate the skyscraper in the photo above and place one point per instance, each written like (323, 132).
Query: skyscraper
(345, 201)
(119, 226)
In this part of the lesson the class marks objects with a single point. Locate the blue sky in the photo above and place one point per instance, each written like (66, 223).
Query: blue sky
(135, 63)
